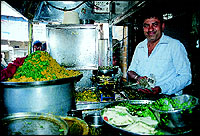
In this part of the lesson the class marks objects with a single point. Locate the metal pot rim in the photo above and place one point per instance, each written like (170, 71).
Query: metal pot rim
(39, 83)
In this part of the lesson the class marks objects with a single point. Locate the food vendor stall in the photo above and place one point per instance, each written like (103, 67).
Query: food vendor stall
(73, 88)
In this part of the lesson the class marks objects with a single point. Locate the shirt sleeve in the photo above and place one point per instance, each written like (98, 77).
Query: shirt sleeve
(134, 61)
(183, 71)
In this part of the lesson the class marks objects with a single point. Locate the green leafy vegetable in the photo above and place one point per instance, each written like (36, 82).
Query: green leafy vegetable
(141, 110)
(61, 130)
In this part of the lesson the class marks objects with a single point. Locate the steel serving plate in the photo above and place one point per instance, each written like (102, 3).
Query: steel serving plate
(126, 132)
(31, 123)
(116, 103)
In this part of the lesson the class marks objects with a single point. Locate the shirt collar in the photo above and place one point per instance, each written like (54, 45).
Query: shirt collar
(163, 40)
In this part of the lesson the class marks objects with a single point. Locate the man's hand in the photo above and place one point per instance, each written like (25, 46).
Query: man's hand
(133, 75)
(155, 90)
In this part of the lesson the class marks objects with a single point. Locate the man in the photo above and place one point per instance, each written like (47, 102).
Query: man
(37, 46)
(161, 56)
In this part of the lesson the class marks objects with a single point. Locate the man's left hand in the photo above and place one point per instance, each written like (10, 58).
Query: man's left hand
(155, 90)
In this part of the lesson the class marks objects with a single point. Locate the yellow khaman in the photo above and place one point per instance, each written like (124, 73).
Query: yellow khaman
(40, 66)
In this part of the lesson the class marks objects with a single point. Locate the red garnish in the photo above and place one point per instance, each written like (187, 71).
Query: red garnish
(105, 118)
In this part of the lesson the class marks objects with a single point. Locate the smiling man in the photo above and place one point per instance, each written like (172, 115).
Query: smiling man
(161, 56)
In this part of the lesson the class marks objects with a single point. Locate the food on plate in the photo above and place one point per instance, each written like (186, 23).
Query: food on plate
(140, 127)
(40, 66)
(136, 118)
(118, 116)
(141, 110)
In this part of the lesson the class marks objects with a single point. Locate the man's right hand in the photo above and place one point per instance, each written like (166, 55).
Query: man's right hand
(155, 90)
(133, 76)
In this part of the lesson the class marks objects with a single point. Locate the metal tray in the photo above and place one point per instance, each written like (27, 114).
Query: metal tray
(131, 102)
(101, 105)
(91, 105)
(33, 124)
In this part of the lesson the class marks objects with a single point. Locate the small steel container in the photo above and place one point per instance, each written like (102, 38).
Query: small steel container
(95, 123)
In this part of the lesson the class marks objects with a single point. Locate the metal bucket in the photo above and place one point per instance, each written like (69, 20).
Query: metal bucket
(54, 96)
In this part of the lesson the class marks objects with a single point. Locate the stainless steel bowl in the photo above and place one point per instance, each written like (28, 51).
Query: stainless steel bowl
(176, 117)
(54, 96)
(33, 124)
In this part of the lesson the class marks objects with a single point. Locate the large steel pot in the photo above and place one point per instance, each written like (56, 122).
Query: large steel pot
(54, 96)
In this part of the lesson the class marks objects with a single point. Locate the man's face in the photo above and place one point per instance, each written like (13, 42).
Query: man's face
(37, 48)
(153, 29)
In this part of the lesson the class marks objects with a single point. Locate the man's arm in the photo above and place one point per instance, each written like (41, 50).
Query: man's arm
(183, 71)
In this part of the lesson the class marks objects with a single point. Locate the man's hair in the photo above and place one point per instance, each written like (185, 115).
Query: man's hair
(37, 43)
(153, 14)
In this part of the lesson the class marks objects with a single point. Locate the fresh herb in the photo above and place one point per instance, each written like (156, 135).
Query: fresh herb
(105, 67)
(61, 130)
(141, 110)
(29, 123)
(122, 114)
(167, 104)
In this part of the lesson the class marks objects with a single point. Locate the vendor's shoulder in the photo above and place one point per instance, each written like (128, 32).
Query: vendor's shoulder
(174, 43)
(171, 39)
(142, 43)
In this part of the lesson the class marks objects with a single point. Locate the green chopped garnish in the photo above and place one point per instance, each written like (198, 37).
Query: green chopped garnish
(61, 130)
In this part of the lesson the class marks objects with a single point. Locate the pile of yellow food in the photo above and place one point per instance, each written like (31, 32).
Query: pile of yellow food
(88, 95)
(40, 66)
